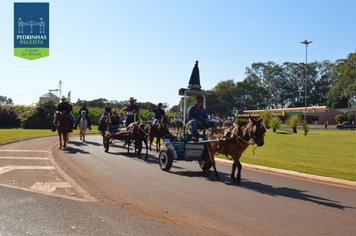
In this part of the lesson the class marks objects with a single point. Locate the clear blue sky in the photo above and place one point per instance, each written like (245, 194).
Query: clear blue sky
(147, 48)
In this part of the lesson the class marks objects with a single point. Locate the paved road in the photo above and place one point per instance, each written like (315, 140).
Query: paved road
(97, 186)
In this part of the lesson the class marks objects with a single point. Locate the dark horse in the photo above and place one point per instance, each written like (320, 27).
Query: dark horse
(62, 125)
(136, 132)
(159, 131)
(103, 126)
(177, 125)
(234, 141)
(140, 133)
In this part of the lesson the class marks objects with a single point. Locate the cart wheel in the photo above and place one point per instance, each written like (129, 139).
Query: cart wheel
(205, 162)
(165, 159)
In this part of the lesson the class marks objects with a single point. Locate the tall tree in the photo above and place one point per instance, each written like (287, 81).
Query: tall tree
(344, 81)
(5, 100)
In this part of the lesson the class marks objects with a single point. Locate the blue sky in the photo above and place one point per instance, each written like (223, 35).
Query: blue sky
(147, 49)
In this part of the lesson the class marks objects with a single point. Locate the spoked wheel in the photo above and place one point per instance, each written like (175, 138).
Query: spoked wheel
(165, 159)
(205, 162)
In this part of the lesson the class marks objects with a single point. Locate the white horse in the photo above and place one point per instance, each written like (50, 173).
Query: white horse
(83, 125)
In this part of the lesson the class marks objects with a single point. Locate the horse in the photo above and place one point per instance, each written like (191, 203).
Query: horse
(83, 125)
(177, 125)
(140, 133)
(62, 125)
(234, 141)
(158, 131)
(103, 126)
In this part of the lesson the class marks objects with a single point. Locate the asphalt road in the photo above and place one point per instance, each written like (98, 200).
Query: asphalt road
(86, 191)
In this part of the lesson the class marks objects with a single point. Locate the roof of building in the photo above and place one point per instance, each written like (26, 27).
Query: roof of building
(294, 109)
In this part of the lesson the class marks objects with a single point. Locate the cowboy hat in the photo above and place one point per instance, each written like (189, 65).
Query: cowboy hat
(63, 98)
(132, 99)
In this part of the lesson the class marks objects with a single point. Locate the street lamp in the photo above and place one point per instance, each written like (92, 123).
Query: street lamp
(306, 42)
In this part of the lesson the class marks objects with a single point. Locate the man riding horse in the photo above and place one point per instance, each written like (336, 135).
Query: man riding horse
(159, 114)
(66, 107)
(83, 108)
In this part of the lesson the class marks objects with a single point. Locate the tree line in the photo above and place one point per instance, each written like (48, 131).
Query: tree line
(270, 85)
(267, 85)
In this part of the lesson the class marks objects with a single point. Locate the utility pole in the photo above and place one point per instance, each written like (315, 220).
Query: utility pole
(306, 42)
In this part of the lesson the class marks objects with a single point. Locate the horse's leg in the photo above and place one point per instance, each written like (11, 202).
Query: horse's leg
(212, 159)
(239, 167)
(234, 165)
(158, 140)
(60, 139)
(65, 136)
(145, 142)
(138, 147)
(151, 140)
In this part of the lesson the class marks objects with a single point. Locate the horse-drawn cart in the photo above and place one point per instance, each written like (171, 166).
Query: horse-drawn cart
(181, 147)
(136, 132)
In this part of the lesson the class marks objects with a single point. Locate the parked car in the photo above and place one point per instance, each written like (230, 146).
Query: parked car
(346, 125)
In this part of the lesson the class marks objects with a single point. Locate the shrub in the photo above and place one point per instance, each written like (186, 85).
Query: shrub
(9, 117)
(293, 121)
(266, 117)
(275, 123)
(39, 117)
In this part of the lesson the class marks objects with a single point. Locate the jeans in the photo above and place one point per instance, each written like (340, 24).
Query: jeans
(195, 125)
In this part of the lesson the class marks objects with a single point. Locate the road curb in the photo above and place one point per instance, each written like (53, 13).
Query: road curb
(328, 180)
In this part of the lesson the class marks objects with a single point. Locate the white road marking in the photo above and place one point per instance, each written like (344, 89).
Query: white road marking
(23, 158)
(12, 150)
(50, 186)
(5, 169)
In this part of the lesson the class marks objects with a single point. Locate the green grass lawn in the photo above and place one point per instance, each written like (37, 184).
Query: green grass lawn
(9, 135)
(322, 152)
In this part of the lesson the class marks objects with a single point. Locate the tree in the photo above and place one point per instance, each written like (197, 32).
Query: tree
(5, 100)
(344, 81)
(9, 117)
(39, 117)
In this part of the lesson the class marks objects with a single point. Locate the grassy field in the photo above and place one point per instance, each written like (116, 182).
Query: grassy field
(9, 135)
(322, 152)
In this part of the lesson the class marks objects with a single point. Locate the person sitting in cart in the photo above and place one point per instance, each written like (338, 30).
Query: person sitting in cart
(131, 111)
(159, 114)
(114, 122)
(198, 118)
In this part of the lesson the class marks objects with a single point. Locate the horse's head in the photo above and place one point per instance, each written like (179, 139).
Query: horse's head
(257, 131)
(83, 113)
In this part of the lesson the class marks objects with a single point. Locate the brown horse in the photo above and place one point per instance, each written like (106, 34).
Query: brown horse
(62, 125)
(234, 141)
(177, 125)
(103, 126)
(158, 131)
(140, 133)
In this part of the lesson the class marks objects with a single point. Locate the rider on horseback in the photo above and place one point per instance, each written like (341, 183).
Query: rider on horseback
(132, 111)
(159, 114)
(65, 106)
(83, 108)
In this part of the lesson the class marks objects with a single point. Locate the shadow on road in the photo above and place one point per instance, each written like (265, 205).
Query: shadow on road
(290, 193)
(72, 150)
